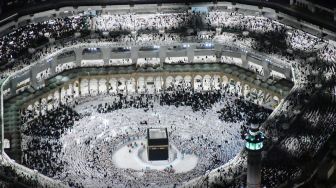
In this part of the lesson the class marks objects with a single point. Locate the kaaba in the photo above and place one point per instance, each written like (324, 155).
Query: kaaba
(157, 144)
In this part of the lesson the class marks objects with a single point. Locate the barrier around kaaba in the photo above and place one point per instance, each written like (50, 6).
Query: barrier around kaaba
(157, 144)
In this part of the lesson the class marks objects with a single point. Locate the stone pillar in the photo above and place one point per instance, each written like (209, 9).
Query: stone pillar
(89, 88)
(134, 54)
(60, 95)
(33, 79)
(13, 84)
(244, 59)
(193, 82)
(162, 54)
(266, 70)
(52, 66)
(107, 83)
(79, 87)
(72, 90)
(136, 85)
(97, 85)
(191, 53)
(126, 83)
(40, 106)
(163, 83)
(106, 55)
(79, 56)
(218, 52)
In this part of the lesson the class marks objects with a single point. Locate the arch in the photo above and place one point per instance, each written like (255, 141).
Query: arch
(121, 85)
(187, 81)
(69, 89)
(112, 85)
(84, 87)
(276, 98)
(225, 80)
(141, 85)
(169, 82)
(130, 85)
(63, 94)
(179, 79)
(216, 82)
(238, 87)
(158, 83)
(93, 86)
(179, 82)
(150, 85)
(207, 82)
(198, 81)
(102, 85)
(44, 105)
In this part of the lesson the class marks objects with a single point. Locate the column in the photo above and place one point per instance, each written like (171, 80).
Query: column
(218, 52)
(126, 83)
(89, 88)
(164, 87)
(79, 87)
(72, 90)
(213, 86)
(106, 55)
(193, 83)
(191, 53)
(13, 85)
(265, 63)
(98, 86)
(52, 101)
(242, 89)
(53, 64)
(33, 79)
(117, 85)
(136, 84)
(107, 83)
(60, 95)
(162, 54)
(244, 59)
(134, 54)
(40, 106)
(79, 56)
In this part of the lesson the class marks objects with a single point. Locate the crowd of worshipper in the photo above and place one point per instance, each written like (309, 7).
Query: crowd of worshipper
(16, 44)
(42, 150)
(292, 145)
(43, 133)
(253, 32)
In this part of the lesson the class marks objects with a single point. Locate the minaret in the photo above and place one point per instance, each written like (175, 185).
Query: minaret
(254, 144)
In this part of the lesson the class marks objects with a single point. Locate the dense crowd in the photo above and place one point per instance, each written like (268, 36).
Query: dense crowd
(242, 30)
(43, 149)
